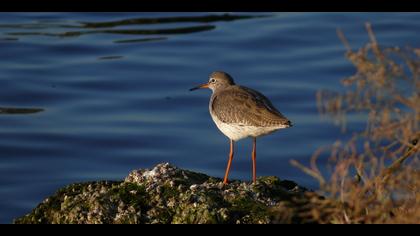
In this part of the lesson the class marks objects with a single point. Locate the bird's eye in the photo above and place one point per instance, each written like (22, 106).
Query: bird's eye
(212, 80)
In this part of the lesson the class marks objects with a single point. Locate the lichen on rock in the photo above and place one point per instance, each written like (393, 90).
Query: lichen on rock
(167, 194)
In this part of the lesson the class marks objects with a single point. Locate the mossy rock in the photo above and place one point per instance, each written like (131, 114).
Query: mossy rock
(167, 194)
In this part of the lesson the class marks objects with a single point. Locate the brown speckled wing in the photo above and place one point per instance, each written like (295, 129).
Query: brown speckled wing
(241, 105)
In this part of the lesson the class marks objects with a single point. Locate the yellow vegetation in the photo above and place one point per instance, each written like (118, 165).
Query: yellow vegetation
(375, 175)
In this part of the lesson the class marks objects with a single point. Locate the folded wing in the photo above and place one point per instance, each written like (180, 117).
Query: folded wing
(245, 106)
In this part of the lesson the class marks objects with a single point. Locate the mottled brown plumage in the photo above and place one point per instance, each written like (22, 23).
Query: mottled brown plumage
(241, 112)
(242, 105)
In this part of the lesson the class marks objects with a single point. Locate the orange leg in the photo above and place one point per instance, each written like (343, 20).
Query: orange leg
(254, 160)
(225, 180)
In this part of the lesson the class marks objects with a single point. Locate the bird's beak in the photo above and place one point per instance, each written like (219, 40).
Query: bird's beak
(206, 85)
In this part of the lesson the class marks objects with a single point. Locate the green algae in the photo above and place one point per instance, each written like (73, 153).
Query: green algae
(166, 194)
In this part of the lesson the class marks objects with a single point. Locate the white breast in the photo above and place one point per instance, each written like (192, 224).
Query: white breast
(239, 131)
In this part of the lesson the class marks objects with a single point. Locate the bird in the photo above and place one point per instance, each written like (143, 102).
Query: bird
(240, 112)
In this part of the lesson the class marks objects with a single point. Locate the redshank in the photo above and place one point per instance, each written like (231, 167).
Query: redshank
(240, 112)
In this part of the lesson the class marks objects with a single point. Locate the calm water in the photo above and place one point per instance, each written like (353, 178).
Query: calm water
(93, 96)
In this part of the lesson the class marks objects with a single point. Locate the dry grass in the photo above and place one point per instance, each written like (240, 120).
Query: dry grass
(375, 175)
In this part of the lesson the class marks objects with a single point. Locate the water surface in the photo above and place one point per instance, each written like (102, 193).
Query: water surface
(91, 96)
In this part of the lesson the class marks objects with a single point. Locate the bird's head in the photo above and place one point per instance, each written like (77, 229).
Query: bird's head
(217, 80)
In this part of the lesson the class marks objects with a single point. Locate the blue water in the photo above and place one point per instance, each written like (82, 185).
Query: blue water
(110, 98)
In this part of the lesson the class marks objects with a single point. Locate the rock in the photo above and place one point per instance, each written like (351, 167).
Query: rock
(167, 194)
